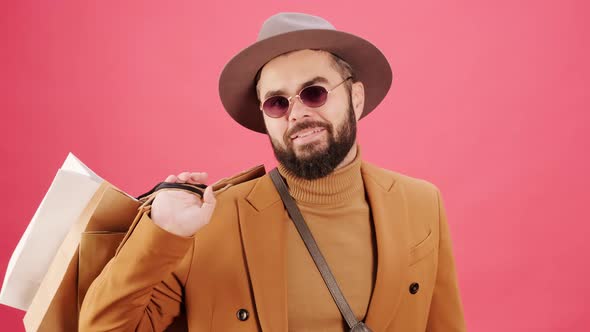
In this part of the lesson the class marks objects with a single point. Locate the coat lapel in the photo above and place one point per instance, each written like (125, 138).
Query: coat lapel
(263, 227)
(388, 209)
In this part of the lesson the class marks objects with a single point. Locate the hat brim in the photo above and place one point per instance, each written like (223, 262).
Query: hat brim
(236, 82)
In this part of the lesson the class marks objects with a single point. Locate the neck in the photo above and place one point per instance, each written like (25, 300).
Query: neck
(337, 187)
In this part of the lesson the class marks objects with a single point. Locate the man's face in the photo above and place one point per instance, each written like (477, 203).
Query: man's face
(310, 142)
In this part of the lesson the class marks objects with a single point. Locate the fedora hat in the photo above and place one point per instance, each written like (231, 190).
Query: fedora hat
(286, 32)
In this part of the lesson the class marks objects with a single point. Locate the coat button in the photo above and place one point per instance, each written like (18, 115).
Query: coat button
(414, 288)
(243, 314)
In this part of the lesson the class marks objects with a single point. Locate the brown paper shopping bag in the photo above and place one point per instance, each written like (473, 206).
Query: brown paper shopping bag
(92, 241)
(55, 305)
(70, 191)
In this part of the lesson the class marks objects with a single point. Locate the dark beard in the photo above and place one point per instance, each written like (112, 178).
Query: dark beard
(317, 163)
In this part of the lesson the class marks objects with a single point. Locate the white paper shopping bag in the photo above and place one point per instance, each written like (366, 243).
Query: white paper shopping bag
(71, 190)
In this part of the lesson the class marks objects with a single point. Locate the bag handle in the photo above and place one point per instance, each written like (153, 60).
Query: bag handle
(198, 189)
(317, 256)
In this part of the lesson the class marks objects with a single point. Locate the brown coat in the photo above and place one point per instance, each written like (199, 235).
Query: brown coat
(237, 262)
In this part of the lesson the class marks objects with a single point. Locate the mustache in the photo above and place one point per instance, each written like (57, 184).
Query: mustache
(305, 125)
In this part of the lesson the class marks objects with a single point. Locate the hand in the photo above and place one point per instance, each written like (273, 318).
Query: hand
(180, 212)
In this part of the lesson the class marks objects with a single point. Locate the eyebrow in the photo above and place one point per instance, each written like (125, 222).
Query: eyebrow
(315, 80)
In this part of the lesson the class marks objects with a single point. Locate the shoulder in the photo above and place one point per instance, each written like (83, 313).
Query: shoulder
(420, 198)
(226, 212)
(238, 191)
(411, 185)
(255, 188)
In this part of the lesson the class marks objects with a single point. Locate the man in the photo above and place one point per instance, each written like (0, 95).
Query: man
(235, 262)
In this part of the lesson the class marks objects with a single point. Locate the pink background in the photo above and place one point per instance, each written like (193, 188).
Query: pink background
(490, 101)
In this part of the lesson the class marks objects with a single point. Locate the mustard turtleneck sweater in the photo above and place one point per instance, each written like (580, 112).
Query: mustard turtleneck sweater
(338, 215)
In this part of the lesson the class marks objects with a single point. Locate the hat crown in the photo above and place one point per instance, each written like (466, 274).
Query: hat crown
(286, 22)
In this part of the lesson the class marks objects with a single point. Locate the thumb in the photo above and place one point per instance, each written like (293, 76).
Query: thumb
(208, 201)
(209, 196)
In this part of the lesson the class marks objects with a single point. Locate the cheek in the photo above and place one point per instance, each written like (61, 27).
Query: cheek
(337, 118)
(276, 129)
(337, 109)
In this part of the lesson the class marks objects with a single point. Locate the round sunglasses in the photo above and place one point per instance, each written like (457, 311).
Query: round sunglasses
(311, 96)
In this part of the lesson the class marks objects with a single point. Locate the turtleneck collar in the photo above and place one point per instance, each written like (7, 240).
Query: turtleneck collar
(338, 186)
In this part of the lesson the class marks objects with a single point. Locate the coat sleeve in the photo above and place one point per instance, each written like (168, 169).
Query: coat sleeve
(141, 288)
(446, 312)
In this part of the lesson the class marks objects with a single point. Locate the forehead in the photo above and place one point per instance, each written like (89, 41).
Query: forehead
(288, 71)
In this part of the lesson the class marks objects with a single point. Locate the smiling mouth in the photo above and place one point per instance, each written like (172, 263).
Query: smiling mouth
(306, 132)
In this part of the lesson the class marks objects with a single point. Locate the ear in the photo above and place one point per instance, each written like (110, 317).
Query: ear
(358, 98)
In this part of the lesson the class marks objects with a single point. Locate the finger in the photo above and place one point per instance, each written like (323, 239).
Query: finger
(209, 202)
(171, 178)
(183, 177)
(198, 177)
(209, 196)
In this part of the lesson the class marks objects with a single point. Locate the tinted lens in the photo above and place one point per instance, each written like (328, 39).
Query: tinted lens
(314, 96)
(276, 106)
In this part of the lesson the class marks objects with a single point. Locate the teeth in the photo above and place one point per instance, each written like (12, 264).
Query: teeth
(307, 133)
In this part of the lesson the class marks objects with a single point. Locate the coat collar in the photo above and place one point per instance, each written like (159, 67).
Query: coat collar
(263, 221)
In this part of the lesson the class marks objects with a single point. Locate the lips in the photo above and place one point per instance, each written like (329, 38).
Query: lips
(306, 132)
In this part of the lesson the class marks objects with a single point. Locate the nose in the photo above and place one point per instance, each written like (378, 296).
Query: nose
(298, 110)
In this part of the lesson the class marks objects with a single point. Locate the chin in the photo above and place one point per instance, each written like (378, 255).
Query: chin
(311, 149)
